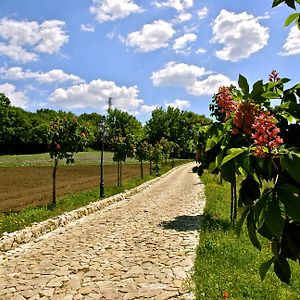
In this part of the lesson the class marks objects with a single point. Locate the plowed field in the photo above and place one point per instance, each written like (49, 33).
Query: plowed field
(31, 186)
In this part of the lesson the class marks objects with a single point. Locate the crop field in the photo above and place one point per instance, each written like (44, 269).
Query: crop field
(26, 180)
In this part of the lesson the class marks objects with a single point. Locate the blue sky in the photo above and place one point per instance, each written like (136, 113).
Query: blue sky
(74, 55)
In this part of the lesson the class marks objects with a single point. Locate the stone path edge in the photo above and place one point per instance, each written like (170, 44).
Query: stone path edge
(12, 240)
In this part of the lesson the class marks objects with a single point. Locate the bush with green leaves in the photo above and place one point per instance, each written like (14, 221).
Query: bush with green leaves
(259, 142)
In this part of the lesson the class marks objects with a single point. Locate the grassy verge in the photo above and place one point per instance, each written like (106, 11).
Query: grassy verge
(16, 221)
(228, 264)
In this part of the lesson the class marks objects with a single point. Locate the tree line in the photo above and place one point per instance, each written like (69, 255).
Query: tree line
(23, 132)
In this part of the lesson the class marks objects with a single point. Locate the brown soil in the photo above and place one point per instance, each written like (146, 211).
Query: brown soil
(31, 186)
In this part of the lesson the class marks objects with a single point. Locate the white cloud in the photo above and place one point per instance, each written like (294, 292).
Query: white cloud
(183, 17)
(177, 74)
(16, 98)
(87, 27)
(24, 38)
(292, 42)
(189, 77)
(202, 13)
(55, 75)
(181, 104)
(17, 53)
(201, 51)
(151, 37)
(241, 34)
(181, 44)
(110, 10)
(209, 85)
(95, 95)
(176, 4)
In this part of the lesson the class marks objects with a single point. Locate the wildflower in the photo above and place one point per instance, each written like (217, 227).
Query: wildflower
(225, 102)
(266, 134)
(274, 76)
(226, 295)
(244, 118)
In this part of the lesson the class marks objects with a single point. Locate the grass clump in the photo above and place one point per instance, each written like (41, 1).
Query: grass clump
(227, 266)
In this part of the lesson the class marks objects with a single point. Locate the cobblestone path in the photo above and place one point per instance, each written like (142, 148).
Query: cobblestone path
(140, 248)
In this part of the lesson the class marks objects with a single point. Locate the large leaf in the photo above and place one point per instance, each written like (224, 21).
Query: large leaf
(292, 164)
(291, 18)
(252, 231)
(291, 204)
(240, 222)
(258, 89)
(232, 153)
(271, 95)
(282, 269)
(291, 3)
(277, 2)
(243, 84)
(264, 267)
(228, 171)
(274, 215)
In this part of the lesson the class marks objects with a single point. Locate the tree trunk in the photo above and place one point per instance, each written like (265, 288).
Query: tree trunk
(118, 174)
(53, 204)
(150, 167)
(142, 169)
(173, 162)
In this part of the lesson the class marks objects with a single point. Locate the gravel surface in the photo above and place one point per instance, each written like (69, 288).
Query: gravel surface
(140, 248)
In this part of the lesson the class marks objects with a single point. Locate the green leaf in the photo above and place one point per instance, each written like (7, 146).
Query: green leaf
(258, 89)
(290, 3)
(277, 2)
(232, 153)
(292, 164)
(252, 231)
(264, 267)
(243, 84)
(228, 171)
(271, 95)
(274, 215)
(291, 204)
(291, 18)
(240, 222)
(282, 269)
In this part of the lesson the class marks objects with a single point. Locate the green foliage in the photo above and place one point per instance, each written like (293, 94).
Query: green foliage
(65, 136)
(256, 141)
(225, 263)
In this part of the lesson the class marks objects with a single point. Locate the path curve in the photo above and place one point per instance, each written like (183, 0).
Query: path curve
(140, 248)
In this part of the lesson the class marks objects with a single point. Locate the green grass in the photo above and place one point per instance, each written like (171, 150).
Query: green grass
(16, 221)
(226, 263)
(43, 159)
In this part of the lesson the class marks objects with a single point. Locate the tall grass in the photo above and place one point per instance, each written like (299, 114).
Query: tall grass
(227, 266)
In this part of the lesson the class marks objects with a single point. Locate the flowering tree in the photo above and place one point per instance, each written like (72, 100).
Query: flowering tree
(66, 137)
(258, 142)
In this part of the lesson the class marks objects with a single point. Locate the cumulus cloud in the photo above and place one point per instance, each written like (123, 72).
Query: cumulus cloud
(190, 77)
(95, 95)
(181, 104)
(22, 39)
(176, 4)
(209, 85)
(292, 42)
(55, 75)
(111, 10)
(177, 74)
(16, 98)
(87, 27)
(241, 34)
(183, 17)
(202, 13)
(181, 44)
(151, 37)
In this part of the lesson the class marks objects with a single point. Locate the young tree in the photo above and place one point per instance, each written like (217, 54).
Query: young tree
(124, 132)
(65, 136)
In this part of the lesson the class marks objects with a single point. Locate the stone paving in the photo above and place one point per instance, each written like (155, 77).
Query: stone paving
(140, 248)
